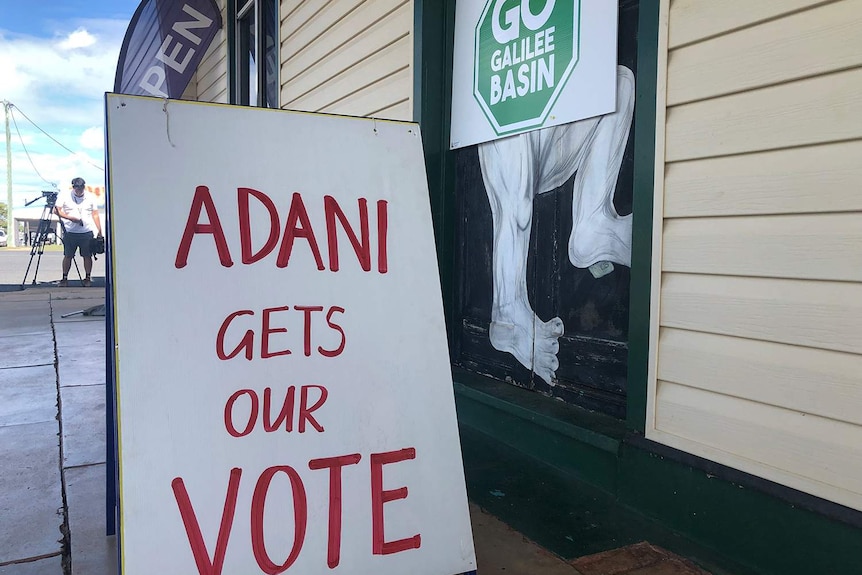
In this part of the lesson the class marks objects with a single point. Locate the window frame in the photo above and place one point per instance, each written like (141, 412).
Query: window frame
(238, 80)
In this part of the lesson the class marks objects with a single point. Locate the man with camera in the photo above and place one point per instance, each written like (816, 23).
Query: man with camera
(81, 213)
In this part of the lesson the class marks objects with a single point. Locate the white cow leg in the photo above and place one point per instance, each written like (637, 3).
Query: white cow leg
(599, 233)
(508, 169)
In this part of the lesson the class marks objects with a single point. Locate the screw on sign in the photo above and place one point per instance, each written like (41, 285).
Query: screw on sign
(525, 51)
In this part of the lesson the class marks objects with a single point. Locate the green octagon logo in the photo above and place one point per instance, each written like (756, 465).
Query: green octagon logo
(525, 52)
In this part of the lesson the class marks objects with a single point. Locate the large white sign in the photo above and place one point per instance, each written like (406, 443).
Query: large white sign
(521, 65)
(284, 395)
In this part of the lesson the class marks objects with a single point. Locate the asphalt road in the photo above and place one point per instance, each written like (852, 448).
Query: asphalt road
(14, 262)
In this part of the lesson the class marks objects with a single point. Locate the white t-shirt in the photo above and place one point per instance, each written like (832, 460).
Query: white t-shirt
(78, 207)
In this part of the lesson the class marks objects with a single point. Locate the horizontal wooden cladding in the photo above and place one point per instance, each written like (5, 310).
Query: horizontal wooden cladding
(215, 78)
(803, 44)
(383, 94)
(213, 86)
(216, 94)
(315, 18)
(808, 380)
(811, 246)
(758, 347)
(817, 110)
(826, 455)
(211, 74)
(401, 111)
(363, 74)
(693, 20)
(824, 315)
(343, 47)
(824, 178)
(297, 14)
(216, 53)
(384, 18)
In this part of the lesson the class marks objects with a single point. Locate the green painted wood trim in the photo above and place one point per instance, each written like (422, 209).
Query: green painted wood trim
(767, 534)
(642, 209)
(419, 39)
(574, 458)
(563, 514)
(532, 424)
(583, 434)
(574, 498)
(434, 29)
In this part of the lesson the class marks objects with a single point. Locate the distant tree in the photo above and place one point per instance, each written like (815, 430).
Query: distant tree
(3, 215)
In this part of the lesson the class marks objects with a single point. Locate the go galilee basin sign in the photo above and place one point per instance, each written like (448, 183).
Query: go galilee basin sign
(523, 60)
(521, 65)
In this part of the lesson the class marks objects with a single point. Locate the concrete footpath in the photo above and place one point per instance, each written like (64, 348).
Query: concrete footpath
(52, 434)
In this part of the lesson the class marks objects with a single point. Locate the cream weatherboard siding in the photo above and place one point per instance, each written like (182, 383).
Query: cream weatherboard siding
(209, 83)
(351, 57)
(757, 272)
(212, 73)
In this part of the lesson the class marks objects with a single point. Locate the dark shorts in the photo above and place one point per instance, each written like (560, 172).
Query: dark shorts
(73, 242)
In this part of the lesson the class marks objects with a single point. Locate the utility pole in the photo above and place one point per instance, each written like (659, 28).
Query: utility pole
(11, 231)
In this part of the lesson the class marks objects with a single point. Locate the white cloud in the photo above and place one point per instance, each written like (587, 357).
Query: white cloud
(59, 83)
(80, 38)
(48, 169)
(93, 138)
(37, 72)
(51, 82)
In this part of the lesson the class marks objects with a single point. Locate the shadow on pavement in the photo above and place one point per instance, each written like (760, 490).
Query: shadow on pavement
(98, 283)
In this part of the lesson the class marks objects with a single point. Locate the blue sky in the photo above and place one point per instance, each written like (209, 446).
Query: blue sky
(57, 59)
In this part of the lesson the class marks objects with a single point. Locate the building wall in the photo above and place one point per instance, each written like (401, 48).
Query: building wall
(757, 295)
(351, 57)
(210, 82)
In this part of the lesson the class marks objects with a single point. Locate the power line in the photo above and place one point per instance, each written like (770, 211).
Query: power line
(14, 107)
(28, 153)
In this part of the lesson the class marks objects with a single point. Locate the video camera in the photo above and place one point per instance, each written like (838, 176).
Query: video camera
(50, 198)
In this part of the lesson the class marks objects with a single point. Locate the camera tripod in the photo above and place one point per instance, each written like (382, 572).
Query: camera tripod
(41, 238)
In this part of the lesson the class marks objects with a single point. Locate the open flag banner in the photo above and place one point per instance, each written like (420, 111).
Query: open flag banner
(164, 44)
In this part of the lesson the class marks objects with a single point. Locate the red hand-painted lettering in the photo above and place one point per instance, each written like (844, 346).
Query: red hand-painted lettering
(379, 496)
(203, 201)
(334, 464)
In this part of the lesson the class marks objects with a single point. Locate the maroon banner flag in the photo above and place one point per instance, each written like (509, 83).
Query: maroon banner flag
(164, 44)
